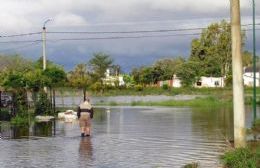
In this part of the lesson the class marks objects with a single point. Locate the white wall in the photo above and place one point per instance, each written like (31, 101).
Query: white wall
(249, 79)
(211, 82)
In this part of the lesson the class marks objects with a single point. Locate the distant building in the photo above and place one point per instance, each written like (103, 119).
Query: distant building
(248, 76)
(203, 82)
(210, 82)
(175, 82)
(113, 80)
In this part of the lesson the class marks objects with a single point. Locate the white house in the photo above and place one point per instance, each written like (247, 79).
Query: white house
(248, 76)
(210, 82)
(176, 82)
(111, 80)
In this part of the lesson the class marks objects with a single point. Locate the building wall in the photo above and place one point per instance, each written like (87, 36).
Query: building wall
(210, 82)
(249, 79)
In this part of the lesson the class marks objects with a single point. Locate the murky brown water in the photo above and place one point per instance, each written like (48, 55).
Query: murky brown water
(123, 137)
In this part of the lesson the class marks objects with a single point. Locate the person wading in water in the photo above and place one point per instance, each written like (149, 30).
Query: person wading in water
(85, 114)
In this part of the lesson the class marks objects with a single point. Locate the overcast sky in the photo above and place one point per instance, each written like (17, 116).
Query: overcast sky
(26, 16)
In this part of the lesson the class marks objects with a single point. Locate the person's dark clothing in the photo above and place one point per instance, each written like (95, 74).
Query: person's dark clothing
(88, 109)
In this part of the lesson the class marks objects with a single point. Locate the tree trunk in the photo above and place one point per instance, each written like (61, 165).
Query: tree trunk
(84, 94)
(0, 99)
(51, 98)
(54, 102)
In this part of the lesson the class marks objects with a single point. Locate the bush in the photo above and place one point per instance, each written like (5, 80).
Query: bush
(96, 87)
(5, 115)
(20, 121)
(165, 87)
(43, 105)
(139, 88)
(240, 158)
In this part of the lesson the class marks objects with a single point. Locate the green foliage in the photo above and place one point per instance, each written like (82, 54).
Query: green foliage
(213, 49)
(199, 102)
(99, 64)
(165, 86)
(161, 70)
(36, 80)
(56, 76)
(43, 105)
(139, 88)
(96, 87)
(188, 72)
(129, 81)
(4, 115)
(240, 158)
(247, 58)
(164, 69)
(20, 121)
(79, 78)
(256, 126)
(14, 79)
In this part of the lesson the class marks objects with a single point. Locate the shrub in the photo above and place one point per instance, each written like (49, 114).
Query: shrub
(165, 87)
(43, 105)
(5, 115)
(139, 88)
(20, 121)
(240, 158)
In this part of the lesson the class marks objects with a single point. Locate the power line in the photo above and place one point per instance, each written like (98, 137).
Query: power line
(121, 37)
(21, 47)
(127, 32)
(105, 38)
(20, 41)
(19, 35)
(114, 32)
(136, 31)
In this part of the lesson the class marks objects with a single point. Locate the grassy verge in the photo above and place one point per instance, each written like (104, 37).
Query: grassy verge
(242, 158)
(198, 102)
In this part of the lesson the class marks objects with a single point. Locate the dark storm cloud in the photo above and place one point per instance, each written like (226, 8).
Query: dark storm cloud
(22, 16)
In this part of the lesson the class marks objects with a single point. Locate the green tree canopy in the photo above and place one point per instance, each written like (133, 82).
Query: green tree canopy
(98, 65)
(79, 78)
(213, 49)
(189, 72)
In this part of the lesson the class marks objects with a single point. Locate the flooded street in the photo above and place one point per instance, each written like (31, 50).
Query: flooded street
(123, 137)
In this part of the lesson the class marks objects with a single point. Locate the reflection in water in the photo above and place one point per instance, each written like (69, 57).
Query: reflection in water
(39, 129)
(124, 137)
(85, 150)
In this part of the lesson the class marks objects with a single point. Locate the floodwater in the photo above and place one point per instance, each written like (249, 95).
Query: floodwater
(122, 137)
(72, 101)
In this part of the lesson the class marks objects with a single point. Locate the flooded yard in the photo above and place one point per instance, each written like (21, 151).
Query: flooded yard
(123, 137)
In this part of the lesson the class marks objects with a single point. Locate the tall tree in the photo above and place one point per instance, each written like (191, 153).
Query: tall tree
(79, 78)
(189, 72)
(164, 69)
(99, 64)
(213, 49)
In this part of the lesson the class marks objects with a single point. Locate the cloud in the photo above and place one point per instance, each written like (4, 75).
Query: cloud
(65, 19)
(22, 16)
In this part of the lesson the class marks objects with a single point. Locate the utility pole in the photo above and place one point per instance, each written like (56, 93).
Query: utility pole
(254, 62)
(44, 43)
(44, 47)
(237, 71)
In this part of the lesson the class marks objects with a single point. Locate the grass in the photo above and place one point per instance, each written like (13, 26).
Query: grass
(241, 158)
(198, 102)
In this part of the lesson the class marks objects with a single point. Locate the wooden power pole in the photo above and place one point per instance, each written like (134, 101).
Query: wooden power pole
(237, 71)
